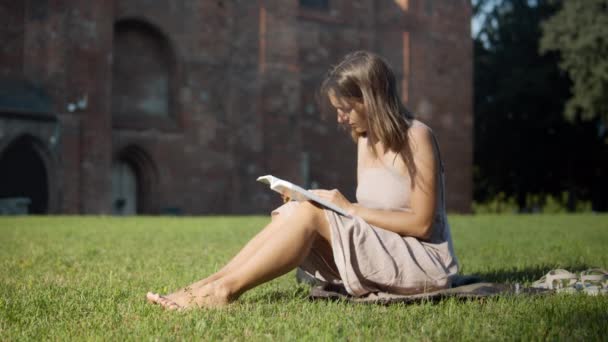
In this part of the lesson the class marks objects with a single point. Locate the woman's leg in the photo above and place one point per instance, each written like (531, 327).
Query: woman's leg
(242, 256)
(281, 252)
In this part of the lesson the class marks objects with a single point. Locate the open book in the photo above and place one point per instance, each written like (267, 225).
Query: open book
(297, 193)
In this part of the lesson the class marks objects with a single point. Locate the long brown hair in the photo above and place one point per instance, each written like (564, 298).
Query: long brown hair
(367, 78)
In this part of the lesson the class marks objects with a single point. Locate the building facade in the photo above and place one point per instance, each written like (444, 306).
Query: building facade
(153, 107)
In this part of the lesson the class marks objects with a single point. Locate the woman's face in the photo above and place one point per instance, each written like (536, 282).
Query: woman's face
(350, 111)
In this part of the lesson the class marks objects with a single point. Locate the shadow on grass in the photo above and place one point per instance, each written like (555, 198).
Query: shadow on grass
(528, 274)
(298, 292)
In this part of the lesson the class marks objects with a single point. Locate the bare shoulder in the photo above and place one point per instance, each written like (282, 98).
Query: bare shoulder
(421, 138)
(421, 143)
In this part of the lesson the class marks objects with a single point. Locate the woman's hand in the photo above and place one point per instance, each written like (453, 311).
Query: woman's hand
(335, 197)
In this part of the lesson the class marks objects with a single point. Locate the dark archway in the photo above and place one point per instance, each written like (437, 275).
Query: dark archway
(125, 196)
(134, 182)
(23, 174)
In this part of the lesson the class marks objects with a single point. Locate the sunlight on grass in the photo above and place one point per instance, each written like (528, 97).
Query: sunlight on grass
(86, 278)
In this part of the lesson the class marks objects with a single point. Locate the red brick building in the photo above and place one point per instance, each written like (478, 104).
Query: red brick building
(177, 106)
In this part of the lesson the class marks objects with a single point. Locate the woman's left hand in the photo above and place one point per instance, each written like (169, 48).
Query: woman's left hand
(335, 197)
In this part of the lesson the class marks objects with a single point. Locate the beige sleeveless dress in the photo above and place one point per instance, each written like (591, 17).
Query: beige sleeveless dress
(369, 259)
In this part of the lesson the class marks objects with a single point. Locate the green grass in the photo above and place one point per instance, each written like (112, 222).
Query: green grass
(86, 278)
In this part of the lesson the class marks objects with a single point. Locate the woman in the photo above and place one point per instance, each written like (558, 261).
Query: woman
(397, 239)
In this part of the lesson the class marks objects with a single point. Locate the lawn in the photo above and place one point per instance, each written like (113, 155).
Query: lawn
(86, 278)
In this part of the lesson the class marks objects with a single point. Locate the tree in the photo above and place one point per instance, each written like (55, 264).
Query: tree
(523, 143)
(579, 32)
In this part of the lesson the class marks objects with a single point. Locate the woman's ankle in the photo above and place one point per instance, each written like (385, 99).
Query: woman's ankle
(223, 288)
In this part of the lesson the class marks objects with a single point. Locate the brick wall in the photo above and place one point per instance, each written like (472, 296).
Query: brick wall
(240, 87)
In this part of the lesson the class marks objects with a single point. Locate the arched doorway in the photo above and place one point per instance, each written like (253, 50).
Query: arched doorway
(24, 176)
(124, 189)
(134, 182)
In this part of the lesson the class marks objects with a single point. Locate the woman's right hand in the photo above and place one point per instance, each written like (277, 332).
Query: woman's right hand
(335, 197)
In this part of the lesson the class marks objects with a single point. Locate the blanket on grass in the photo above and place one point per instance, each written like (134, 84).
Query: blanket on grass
(467, 291)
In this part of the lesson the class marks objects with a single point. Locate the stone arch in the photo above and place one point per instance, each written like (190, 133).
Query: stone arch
(143, 71)
(26, 171)
(134, 182)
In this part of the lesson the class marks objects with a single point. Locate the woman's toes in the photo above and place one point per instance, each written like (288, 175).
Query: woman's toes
(172, 306)
(152, 297)
(166, 303)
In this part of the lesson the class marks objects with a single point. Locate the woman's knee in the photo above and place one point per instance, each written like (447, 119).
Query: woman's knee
(306, 214)
(284, 211)
(310, 211)
(274, 217)
(314, 218)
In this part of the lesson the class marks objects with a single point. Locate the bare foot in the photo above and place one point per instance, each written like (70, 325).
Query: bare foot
(183, 294)
(213, 295)
(166, 303)
(183, 297)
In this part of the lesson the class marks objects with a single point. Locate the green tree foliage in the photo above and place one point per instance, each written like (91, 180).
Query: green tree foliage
(523, 144)
(579, 32)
